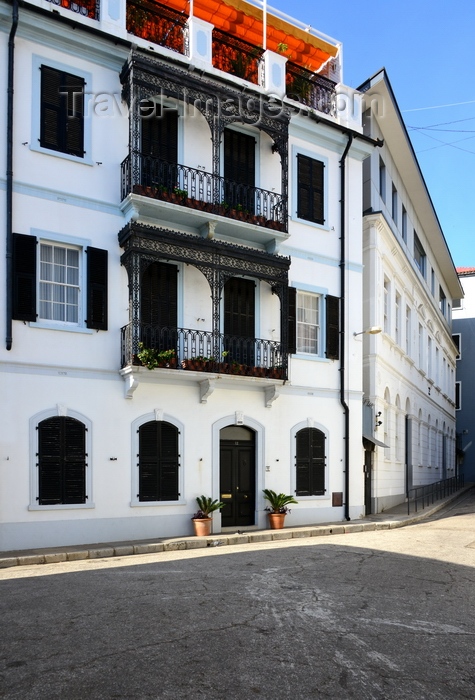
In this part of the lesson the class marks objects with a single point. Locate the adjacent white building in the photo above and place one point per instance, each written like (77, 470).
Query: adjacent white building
(170, 187)
(409, 284)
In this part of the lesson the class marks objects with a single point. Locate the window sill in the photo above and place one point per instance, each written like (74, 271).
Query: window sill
(59, 154)
(63, 506)
(311, 358)
(51, 326)
(156, 504)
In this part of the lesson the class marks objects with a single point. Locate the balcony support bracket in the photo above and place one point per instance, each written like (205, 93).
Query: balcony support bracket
(271, 394)
(131, 382)
(207, 386)
(208, 229)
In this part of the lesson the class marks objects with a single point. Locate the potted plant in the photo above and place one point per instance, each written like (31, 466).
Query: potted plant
(153, 358)
(202, 518)
(278, 507)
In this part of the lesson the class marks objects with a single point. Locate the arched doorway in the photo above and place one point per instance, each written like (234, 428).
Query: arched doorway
(237, 475)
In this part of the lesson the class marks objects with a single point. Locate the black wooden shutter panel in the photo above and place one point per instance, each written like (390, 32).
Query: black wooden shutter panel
(62, 111)
(292, 322)
(74, 475)
(160, 133)
(239, 307)
(61, 461)
(168, 462)
(310, 462)
(310, 183)
(148, 462)
(158, 462)
(332, 327)
(24, 277)
(96, 288)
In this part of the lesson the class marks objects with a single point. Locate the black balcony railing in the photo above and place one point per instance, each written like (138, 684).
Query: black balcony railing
(198, 189)
(310, 89)
(236, 57)
(157, 23)
(87, 8)
(422, 496)
(204, 351)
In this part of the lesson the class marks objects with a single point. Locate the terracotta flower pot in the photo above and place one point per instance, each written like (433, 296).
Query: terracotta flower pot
(202, 526)
(276, 520)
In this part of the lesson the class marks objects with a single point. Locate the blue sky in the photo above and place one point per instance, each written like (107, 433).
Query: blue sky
(428, 50)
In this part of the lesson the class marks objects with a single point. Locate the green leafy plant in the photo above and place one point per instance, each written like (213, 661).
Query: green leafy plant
(278, 502)
(181, 193)
(206, 506)
(153, 358)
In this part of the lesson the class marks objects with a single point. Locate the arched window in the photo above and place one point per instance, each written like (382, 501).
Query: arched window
(310, 462)
(158, 461)
(61, 461)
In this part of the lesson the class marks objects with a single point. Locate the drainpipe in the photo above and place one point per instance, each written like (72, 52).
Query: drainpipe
(9, 174)
(346, 410)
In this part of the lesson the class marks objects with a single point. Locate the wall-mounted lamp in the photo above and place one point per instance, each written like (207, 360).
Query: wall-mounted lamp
(373, 330)
(378, 423)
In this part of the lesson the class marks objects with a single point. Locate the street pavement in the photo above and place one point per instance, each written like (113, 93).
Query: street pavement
(384, 614)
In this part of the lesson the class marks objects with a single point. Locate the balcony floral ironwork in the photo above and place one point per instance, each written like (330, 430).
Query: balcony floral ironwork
(189, 187)
(201, 351)
(236, 57)
(157, 23)
(86, 8)
(310, 89)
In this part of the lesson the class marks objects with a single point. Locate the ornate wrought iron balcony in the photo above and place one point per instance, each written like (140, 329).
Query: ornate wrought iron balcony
(310, 89)
(154, 22)
(202, 351)
(87, 8)
(188, 187)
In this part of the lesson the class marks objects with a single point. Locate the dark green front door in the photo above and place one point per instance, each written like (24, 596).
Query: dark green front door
(237, 476)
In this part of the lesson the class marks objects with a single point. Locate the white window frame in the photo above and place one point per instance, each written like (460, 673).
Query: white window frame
(39, 61)
(157, 415)
(80, 244)
(397, 317)
(386, 305)
(318, 325)
(34, 481)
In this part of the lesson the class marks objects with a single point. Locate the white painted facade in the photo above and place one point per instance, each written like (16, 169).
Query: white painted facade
(409, 285)
(66, 369)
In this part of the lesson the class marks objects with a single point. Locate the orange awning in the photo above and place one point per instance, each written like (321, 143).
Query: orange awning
(245, 21)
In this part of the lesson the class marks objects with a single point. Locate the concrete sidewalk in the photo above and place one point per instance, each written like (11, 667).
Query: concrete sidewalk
(395, 517)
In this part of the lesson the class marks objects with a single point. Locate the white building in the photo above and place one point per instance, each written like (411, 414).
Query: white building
(409, 284)
(173, 186)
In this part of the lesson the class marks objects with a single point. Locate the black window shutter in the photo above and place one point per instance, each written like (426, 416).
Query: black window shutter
(24, 277)
(61, 461)
(160, 133)
(148, 462)
(158, 462)
(159, 306)
(62, 111)
(332, 327)
(74, 481)
(239, 169)
(310, 462)
(239, 319)
(96, 288)
(310, 199)
(292, 320)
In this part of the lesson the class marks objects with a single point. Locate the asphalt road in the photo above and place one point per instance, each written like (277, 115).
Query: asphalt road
(385, 614)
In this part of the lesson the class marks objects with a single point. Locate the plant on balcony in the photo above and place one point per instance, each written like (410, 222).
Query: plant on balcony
(244, 65)
(181, 194)
(275, 372)
(199, 363)
(153, 358)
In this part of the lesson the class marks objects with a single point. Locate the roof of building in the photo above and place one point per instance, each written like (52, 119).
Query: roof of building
(303, 45)
(379, 96)
(461, 271)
